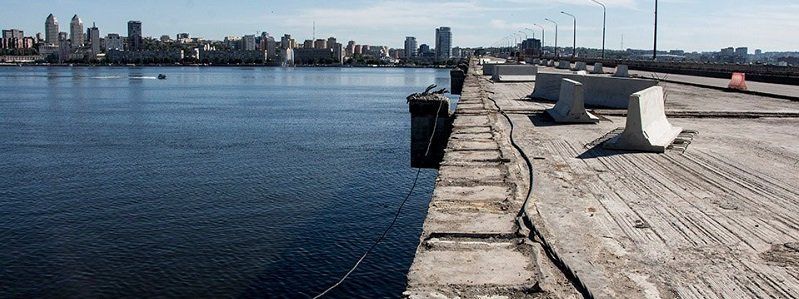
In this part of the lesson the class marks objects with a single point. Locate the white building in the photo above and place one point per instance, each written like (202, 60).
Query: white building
(76, 32)
(51, 30)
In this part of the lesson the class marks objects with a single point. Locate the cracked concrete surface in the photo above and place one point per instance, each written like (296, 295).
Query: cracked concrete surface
(471, 246)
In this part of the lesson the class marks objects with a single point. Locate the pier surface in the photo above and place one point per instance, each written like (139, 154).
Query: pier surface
(718, 219)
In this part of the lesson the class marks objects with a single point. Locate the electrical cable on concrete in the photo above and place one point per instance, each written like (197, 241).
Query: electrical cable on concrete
(396, 216)
(579, 285)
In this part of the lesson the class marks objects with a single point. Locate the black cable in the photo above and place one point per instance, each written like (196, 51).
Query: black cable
(578, 284)
(396, 216)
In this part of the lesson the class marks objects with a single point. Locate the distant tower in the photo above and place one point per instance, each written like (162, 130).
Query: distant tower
(135, 41)
(76, 32)
(410, 47)
(443, 43)
(93, 34)
(51, 30)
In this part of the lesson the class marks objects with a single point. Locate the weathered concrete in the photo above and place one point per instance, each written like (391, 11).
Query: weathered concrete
(514, 73)
(580, 66)
(457, 76)
(621, 71)
(647, 128)
(600, 91)
(551, 63)
(598, 69)
(570, 107)
(471, 245)
(429, 113)
(714, 219)
(564, 65)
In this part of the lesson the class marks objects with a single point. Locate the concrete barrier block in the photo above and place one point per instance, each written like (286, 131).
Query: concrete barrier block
(571, 107)
(647, 128)
(564, 65)
(598, 68)
(621, 71)
(514, 73)
(488, 68)
(580, 66)
(551, 63)
(600, 91)
(536, 61)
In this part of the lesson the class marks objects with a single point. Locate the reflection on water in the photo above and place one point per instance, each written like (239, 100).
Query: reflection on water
(215, 182)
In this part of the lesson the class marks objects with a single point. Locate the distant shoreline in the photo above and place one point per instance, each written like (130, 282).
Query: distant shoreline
(10, 65)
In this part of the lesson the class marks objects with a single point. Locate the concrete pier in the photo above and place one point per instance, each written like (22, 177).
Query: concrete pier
(472, 245)
(714, 216)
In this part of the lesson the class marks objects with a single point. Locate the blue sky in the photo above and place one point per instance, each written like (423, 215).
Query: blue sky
(771, 25)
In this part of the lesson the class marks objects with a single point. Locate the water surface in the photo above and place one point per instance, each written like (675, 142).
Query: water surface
(217, 182)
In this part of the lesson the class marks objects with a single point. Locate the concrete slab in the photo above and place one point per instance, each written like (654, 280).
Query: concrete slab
(473, 193)
(471, 176)
(471, 121)
(461, 156)
(491, 264)
(704, 223)
(459, 218)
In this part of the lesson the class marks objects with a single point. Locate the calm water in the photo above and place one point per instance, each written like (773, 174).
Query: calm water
(218, 182)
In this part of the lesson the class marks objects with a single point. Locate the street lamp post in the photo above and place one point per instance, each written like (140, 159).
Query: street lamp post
(604, 24)
(556, 36)
(574, 40)
(655, 51)
(543, 37)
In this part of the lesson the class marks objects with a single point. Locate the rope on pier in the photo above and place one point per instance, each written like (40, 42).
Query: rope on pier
(396, 216)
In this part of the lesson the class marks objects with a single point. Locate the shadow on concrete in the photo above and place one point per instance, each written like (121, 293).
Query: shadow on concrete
(597, 151)
(542, 119)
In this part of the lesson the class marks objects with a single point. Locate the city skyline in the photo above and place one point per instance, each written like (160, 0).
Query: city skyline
(387, 23)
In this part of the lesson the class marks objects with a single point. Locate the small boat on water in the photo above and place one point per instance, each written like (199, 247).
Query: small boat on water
(161, 77)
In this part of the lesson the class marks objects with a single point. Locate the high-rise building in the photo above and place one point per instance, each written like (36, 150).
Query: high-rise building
(63, 47)
(350, 48)
(331, 42)
(51, 30)
(113, 42)
(338, 53)
(320, 44)
(308, 44)
(13, 39)
(269, 45)
(410, 47)
(76, 32)
(135, 40)
(93, 35)
(286, 42)
(248, 43)
(443, 43)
